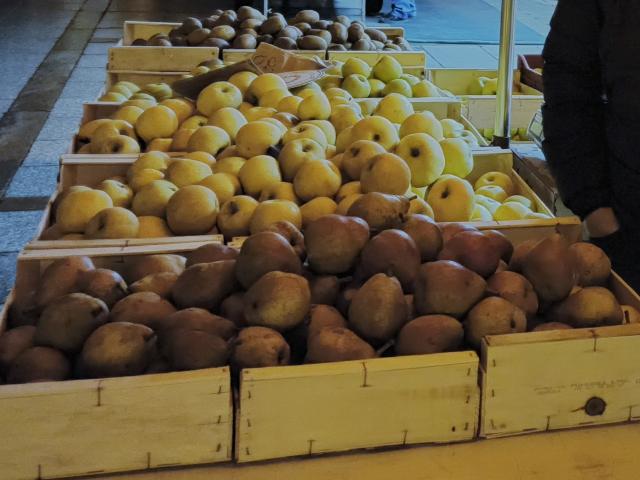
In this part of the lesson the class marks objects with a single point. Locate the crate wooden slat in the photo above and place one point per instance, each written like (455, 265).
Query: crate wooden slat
(322, 408)
(86, 427)
(235, 55)
(158, 59)
(141, 77)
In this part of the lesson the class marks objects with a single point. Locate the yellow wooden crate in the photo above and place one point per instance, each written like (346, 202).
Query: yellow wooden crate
(90, 170)
(541, 381)
(158, 59)
(86, 427)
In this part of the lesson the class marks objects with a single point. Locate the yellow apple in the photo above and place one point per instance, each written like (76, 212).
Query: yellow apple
(230, 151)
(295, 153)
(257, 173)
(152, 199)
(289, 104)
(357, 85)
(394, 107)
(520, 199)
(180, 139)
(115, 145)
(129, 114)
(78, 207)
(376, 87)
(160, 144)
(481, 214)
(511, 211)
(184, 171)
(327, 128)
(385, 173)
(259, 113)
(306, 130)
(496, 178)
(316, 208)
(425, 88)
(357, 155)
(348, 189)
(344, 116)
(287, 119)
(387, 69)
(153, 227)
(470, 138)
(336, 68)
(192, 210)
(335, 92)
(343, 139)
(229, 119)
(398, 86)
(266, 82)
(224, 185)
(142, 177)
(156, 122)
(457, 156)
(317, 178)
(114, 222)
(114, 97)
(218, 95)
(420, 206)
(243, 80)
(451, 199)
(182, 107)
(488, 203)
(272, 98)
(279, 191)
(230, 165)
(356, 66)
(203, 157)
(422, 122)
(119, 192)
(277, 123)
(451, 128)
(154, 160)
(330, 81)
(235, 216)
(86, 131)
(208, 139)
(419, 191)
(194, 122)
(314, 107)
(330, 154)
(424, 156)
(271, 211)
(376, 129)
(346, 202)
(255, 138)
(494, 192)
(121, 89)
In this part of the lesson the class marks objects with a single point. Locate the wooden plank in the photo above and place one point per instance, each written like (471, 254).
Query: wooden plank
(234, 55)
(361, 404)
(141, 77)
(157, 59)
(543, 381)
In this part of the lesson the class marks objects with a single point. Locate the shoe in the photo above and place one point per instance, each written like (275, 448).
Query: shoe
(396, 15)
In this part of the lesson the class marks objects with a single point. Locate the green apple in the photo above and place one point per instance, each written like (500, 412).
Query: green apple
(357, 66)
(425, 88)
(357, 85)
(387, 69)
(398, 86)
(377, 86)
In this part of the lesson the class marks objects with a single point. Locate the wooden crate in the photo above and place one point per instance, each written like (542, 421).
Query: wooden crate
(314, 409)
(159, 59)
(86, 427)
(90, 170)
(541, 381)
(480, 109)
(413, 62)
(140, 78)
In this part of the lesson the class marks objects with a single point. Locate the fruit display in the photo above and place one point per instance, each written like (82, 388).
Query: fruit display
(376, 283)
(247, 27)
(150, 93)
(362, 80)
(489, 86)
(517, 134)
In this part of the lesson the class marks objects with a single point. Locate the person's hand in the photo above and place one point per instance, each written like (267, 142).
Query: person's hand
(602, 222)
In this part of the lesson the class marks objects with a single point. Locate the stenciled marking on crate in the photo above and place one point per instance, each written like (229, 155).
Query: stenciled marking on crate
(584, 386)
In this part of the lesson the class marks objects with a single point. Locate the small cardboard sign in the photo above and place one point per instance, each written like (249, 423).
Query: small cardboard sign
(294, 69)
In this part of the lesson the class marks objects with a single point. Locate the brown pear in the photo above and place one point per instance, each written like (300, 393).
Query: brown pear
(232, 308)
(140, 266)
(592, 265)
(411, 308)
(473, 250)
(493, 316)
(334, 243)
(198, 319)
(61, 278)
(194, 349)
(380, 210)
(13, 342)
(588, 307)
(501, 243)
(212, 252)
(256, 347)
(205, 285)
(549, 268)
(425, 233)
(324, 289)
(67, 321)
(24, 309)
(39, 364)
(103, 284)
(429, 334)
(262, 253)
(337, 344)
(392, 252)
(278, 300)
(145, 308)
(520, 252)
(159, 283)
(117, 349)
(291, 234)
(447, 288)
(545, 327)
(378, 309)
(515, 288)
(344, 298)
(453, 228)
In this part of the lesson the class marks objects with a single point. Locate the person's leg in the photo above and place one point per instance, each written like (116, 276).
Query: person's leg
(402, 10)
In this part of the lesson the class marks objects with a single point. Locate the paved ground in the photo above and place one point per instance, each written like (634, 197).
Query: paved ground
(53, 55)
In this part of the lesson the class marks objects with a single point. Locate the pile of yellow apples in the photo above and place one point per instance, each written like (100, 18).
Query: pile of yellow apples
(148, 94)
(363, 81)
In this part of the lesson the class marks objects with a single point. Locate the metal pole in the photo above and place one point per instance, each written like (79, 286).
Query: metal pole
(502, 134)
(265, 7)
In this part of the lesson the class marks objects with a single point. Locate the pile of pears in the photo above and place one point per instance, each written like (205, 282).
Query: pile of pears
(379, 282)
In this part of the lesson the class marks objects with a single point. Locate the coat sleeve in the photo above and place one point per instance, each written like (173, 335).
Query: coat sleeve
(575, 143)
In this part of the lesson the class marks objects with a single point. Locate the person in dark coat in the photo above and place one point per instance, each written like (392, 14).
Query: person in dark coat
(591, 117)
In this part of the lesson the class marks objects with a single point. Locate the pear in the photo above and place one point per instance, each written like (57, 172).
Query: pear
(429, 334)
(380, 210)
(544, 327)
(343, 302)
(318, 318)
(39, 364)
(262, 253)
(291, 234)
(515, 288)
(205, 285)
(588, 307)
(103, 284)
(198, 319)
(334, 243)
(493, 316)
(501, 243)
(145, 308)
(337, 344)
(473, 250)
(393, 252)
(117, 349)
(277, 300)
(159, 283)
(378, 309)
(450, 229)
(447, 288)
(256, 347)
(12, 343)
(592, 264)
(232, 308)
(67, 321)
(549, 268)
(138, 267)
(23, 310)
(60, 278)
(211, 252)
(425, 233)
(520, 252)
(193, 349)
(324, 289)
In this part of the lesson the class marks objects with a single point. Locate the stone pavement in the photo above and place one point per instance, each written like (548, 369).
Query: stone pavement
(53, 56)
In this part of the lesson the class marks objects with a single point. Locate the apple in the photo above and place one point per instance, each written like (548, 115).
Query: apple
(139, 178)
(279, 191)
(394, 107)
(452, 199)
(420, 206)
(385, 173)
(451, 128)
(357, 66)
(208, 139)
(422, 122)
(182, 107)
(520, 199)
(317, 178)
(316, 208)
(119, 192)
(218, 95)
(481, 214)
(357, 85)
(376, 129)
(399, 86)
(255, 138)
(235, 216)
(224, 185)
(387, 69)
(78, 207)
(272, 98)
(266, 82)
(315, 107)
(494, 192)
(116, 145)
(306, 130)
(192, 210)
(344, 116)
(511, 211)
(488, 203)
(180, 140)
(424, 156)
(156, 122)
(295, 153)
(154, 160)
(289, 104)
(243, 80)
(194, 122)
(130, 114)
(112, 129)
(203, 157)
(346, 202)
(160, 145)
(229, 119)
(259, 113)
(457, 156)
(271, 211)
(257, 173)
(185, 171)
(327, 128)
(153, 227)
(152, 199)
(425, 88)
(357, 155)
(496, 178)
(230, 165)
(114, 222)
